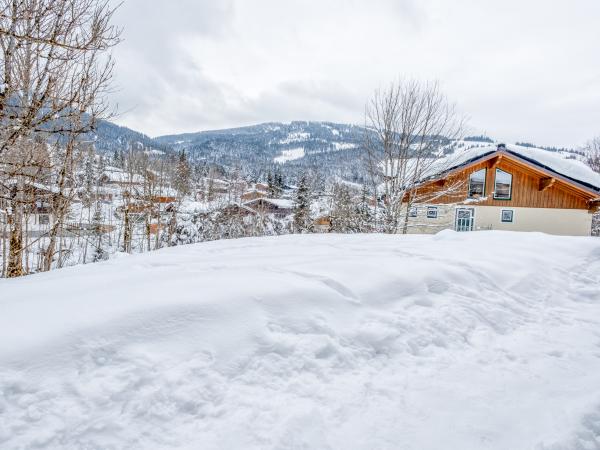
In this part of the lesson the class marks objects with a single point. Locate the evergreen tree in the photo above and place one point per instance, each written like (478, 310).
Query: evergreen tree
(302, 222)
(89, 178)
(364, 214)
(183, 175)
(278, 184)
(343, 214)
(271, 183)
(100, 253)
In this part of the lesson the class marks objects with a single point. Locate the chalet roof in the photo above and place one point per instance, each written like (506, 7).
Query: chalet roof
(40, 187)
(278, 202)
(118, 176)
(571, 169)
(254, 190)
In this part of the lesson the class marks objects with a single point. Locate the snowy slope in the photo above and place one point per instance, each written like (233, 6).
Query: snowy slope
(487, 340)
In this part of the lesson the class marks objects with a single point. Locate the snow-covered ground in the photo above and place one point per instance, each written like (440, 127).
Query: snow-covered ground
(486, 340)
(289, 155)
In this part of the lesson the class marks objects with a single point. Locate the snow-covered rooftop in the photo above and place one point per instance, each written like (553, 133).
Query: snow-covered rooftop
(118, 176)
(556, 162)
(279, 202)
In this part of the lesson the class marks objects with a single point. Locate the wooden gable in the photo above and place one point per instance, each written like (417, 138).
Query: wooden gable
(532, 187)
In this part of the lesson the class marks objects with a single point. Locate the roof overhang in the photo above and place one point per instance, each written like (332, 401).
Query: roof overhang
(586, 189)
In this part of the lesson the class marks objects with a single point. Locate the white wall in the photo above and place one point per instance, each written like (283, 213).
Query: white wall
(425, 225)
(569, 222)
(574, 222)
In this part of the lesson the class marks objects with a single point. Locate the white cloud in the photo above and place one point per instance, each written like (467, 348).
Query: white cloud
(520, 70)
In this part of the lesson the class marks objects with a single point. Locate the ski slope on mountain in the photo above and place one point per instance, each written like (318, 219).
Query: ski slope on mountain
(485, 340)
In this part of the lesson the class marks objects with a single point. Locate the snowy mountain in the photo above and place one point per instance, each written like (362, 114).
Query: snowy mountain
(332, 149)
(109, 137)
(272, 140)
(310, 342)
(292, 146)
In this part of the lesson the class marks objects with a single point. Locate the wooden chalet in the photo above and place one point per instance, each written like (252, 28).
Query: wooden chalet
(508, 187)
(236, 210)
(253, 194)
(322, 223)
(278, 207)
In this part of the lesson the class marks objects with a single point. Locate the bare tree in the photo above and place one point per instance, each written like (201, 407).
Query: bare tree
(24, 168)
(55, 66)
(405, 125)
(592, 154)
(55, 72)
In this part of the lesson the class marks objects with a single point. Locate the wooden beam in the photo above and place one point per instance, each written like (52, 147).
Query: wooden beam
(594, 206)
(545, 183)
(496, 161)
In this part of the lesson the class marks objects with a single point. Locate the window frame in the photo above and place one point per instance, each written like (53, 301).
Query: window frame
(434, 209)
(484, 183)
(512, 215)
(496, 183)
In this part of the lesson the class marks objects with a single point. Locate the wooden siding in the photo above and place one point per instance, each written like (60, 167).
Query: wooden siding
(525, 188)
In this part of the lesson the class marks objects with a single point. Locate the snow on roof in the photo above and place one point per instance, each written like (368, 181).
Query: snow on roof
(570, 168)
(253, 190)
(279, 202)
(50, 188)
(194, 207)
(165, 191)
(118, 176)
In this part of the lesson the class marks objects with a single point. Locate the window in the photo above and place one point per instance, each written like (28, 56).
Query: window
(432, 212)
(503, 185)
(477, 183)
(43, 219)
(412, 212)
(507, 215)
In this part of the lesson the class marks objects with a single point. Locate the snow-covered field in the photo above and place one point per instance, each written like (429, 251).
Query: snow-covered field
(289, 155)
(485, 340)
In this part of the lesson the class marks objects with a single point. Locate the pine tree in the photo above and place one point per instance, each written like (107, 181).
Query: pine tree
(364, 214)
(100, 253)
(183, 174)
(343, 214)
(278, 184)
(89, 177)
(302, 222)
(271, 183)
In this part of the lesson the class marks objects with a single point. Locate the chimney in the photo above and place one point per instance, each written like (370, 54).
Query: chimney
(501, 147)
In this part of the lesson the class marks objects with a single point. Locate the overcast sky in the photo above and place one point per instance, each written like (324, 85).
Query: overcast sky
(519, 69)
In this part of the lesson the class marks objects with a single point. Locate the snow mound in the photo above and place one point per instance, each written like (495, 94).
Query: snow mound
(487, 340)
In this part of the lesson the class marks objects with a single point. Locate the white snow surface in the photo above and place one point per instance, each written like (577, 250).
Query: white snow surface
(484, 340)
(296, 136)
(344, 145)
(289, 155)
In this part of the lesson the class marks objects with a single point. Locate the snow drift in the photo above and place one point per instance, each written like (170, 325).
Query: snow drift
(484, 340)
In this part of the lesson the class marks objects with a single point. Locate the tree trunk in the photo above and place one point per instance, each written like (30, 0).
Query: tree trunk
(15, 254)
(126, 233)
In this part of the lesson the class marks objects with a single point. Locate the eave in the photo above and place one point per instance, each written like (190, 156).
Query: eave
(592, 193)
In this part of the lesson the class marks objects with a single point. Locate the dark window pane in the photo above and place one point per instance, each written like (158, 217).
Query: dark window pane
(477, 183)
(503, 185)
(432, 212)
(507, 215)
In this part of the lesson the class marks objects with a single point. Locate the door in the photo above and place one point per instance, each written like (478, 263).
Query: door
(464, 219)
